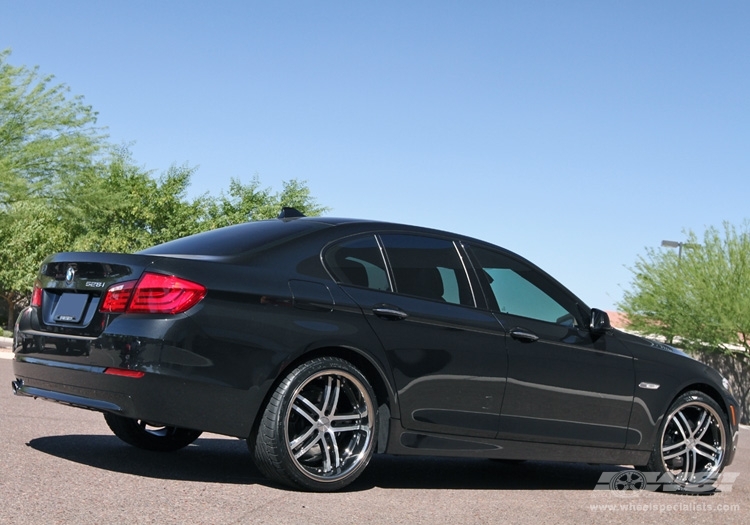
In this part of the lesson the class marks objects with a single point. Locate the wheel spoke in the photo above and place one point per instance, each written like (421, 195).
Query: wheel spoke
(707, 446)
(327, 453)
(359, 416)
(711, 457)
(335, 401)
(685, 436)
(690, 466)
(676, 454)
(315, 410)
(358, 423)
(671, 447)
(301, 439)
(355, 415)
(353, 428)
(306, 447)
(326, 396)
(302, 412)
(703, 425)
(707, 450)
(334, 446)
(684, 431)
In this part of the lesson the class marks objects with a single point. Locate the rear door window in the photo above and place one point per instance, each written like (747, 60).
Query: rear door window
(428, 267)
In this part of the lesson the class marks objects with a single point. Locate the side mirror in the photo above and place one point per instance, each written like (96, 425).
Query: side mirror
(599, 322)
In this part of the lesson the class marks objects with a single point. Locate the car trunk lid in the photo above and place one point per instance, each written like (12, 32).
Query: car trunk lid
(71, 287)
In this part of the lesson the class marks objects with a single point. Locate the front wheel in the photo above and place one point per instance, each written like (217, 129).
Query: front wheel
(692, 444)
(318, 430)
(147, 436)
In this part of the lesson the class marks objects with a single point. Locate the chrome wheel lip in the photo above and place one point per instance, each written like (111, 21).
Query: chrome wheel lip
(335, 462)
(698, 442)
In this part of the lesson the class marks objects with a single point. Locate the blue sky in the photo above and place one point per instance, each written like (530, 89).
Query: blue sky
(575, 133)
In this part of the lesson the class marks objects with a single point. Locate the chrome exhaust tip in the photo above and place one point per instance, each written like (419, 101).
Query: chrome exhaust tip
(17, 385)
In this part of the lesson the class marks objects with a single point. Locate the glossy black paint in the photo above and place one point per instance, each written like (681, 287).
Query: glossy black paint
(460, 378)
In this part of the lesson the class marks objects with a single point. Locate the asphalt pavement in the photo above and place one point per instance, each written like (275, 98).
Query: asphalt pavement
(62, 465)
(6, 345)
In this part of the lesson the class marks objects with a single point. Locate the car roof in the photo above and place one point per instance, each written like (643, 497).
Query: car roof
(249, 236)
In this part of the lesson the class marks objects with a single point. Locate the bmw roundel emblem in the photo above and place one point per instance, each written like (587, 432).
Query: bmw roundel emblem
(70, 274)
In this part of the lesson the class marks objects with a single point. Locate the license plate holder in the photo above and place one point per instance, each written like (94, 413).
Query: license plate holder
(70, 308)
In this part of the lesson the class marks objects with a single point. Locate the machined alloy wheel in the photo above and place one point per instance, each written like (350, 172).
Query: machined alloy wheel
(318, 430)
(693, 442)
(148, 436)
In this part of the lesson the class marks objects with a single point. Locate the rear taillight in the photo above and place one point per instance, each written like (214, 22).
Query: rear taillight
(117, 297)
(157, 293)
(36, 295)
(154, 293)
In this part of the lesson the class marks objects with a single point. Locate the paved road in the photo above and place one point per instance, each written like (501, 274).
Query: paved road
(62, 465)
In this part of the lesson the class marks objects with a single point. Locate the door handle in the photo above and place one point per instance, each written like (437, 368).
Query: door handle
(523, 335)
(391, 313)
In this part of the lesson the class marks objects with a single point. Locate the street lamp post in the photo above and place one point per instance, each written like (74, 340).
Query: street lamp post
(679, 246)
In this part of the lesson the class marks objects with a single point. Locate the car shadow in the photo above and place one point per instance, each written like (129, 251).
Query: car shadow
(218, 460)
(479, 474)
(211, 460)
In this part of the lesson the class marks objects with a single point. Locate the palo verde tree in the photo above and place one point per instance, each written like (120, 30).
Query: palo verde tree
(700, 295)
(31, 230)
(121, 207)
(46, 136)
(250, 201)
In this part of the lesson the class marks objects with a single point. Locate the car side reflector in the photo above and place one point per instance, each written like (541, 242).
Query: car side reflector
(122, 372)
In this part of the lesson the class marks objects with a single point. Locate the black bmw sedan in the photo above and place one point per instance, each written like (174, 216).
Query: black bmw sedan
(322, 341)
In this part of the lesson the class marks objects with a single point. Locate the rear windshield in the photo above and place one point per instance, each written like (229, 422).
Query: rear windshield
(238, 239)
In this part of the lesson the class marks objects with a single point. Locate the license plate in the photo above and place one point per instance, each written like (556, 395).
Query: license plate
(70, 307)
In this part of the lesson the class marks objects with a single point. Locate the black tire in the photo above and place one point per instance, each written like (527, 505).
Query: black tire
(692, 445)
(503, 461)
(150, 437)
(319, 428)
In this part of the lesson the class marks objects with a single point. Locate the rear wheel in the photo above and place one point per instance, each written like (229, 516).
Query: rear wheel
(147, 436)
(692, 444)
(318, 430)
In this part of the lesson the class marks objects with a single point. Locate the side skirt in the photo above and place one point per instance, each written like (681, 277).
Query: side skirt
(409, 443)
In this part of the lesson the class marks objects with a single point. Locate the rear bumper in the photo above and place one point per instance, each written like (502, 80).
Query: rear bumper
(186, 380)
(154, 397)
(20, 389)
